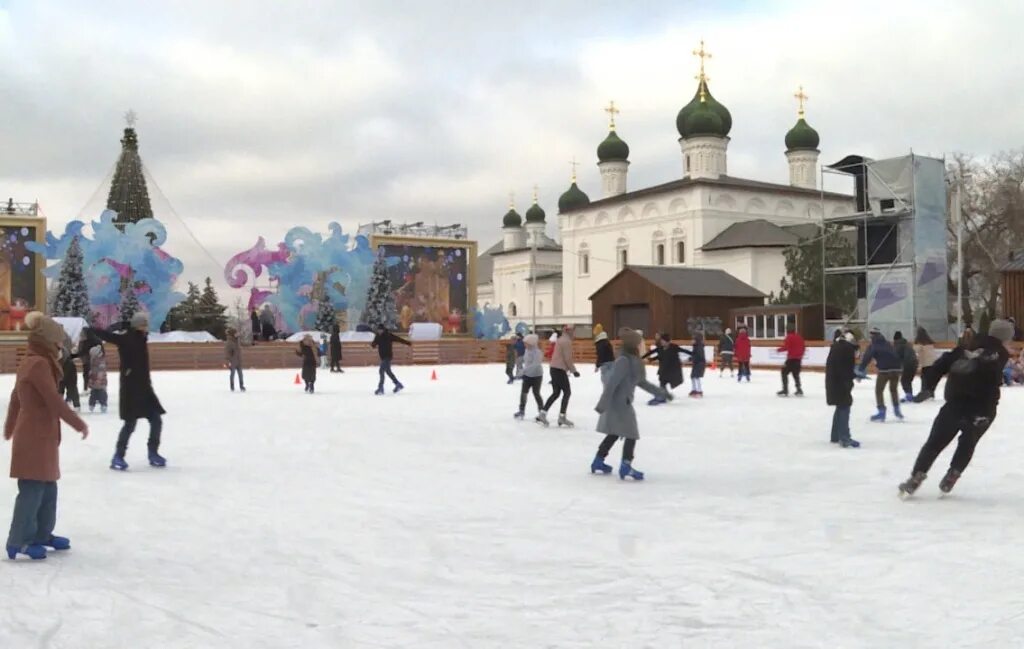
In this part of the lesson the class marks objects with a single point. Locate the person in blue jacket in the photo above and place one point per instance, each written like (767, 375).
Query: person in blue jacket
(889, 367)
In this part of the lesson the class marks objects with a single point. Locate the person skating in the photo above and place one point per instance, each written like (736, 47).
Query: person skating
(908, 361)
(670, 368)
(840, 371)
(889, 367)
(321, 352)
(510, 361)
(603, 351)
(561, 366)
(533, 374)
(973, 376)
(924, 349)
(98, 377)
(87, 341)
(254, 322)
(617, 417)
(310, 359)
(69, 382)
(383, 342)
(335, 349)
(794, 347)
(698, 363)
(520, 348)
(135, 393)
(233, 359)
(743, 353)
(726, 351)
(34, 413)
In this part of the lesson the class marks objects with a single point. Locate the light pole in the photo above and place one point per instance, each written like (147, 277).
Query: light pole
(958, 211)
(533, 281)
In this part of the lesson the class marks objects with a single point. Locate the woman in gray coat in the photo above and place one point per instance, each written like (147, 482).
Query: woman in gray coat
(618, 419)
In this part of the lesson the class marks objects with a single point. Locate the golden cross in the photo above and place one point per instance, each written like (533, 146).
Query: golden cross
(612, 112)
(511, 200)
(703, 54)
(801, 97)
(535, 190)
(573, 164)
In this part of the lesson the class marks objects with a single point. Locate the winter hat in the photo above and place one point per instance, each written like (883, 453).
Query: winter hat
(666, 337)
(631, 340)
(898, 335)
(44, 330)
(1001, 330)
(598, 329)
(728, 331)
(531, 340)
(601, 336)
(140, 320)
(850, 338)
(875, 331)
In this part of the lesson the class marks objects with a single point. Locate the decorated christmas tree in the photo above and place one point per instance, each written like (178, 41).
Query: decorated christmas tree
(129, 305)
(325, 315)
(129, 196)
(380, 301)
(72, 298)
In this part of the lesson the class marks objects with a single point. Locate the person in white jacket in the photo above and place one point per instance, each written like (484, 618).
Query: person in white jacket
(533, 374)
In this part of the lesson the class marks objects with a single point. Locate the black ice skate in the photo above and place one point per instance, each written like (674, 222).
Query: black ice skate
(908, 488)
(949, 480)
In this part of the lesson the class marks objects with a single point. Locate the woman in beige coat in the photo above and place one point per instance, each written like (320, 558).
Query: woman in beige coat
(33, 426)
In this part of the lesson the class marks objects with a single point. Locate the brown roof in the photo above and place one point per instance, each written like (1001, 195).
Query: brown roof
(690, 282)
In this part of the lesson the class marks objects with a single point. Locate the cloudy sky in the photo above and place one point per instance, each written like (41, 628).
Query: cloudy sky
(257, 116)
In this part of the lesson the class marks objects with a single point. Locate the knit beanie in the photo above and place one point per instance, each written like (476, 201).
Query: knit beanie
(1002, 330)
(140, 320)
(631, 341)
(598, 329)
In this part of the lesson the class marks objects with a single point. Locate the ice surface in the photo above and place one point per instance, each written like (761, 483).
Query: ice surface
(431, 519)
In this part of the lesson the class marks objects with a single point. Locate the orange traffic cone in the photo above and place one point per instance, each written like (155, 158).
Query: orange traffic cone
(433, 375)
(298, 380)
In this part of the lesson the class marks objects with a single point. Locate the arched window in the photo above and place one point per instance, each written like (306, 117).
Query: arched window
(512, 311)
(659, 254)
(540, 307)
(622, 253)
(584, 260)
(680, 252)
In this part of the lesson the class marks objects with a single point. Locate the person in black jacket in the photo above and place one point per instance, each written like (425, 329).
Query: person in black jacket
(86, 341)
(975, 374)
(383, 343)
(310, 359)
(254, 321)
(670, 368)
(68, 386)
(839, 375)
(726, 349)
(605, 354)
(137, 398)
(335, 348)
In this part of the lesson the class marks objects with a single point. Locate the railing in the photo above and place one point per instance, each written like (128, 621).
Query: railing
(10, 208)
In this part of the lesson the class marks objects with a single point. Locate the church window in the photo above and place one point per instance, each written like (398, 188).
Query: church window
(585, 264)
(659, 254)
(623, 258)
(512, 309)
(540, 307)
(687, 162)
(680, 252)
(622, 254)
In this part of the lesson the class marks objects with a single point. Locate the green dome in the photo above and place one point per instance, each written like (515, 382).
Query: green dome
(802, 136)
(725, 118)
(702, 121)
(572, 198)
(512, 219)
(535, 214)
(612, 149)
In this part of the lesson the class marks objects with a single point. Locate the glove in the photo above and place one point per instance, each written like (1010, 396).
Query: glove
(576, 374)
(923, 396)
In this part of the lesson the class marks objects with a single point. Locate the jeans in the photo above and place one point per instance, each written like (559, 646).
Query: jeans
(98, 396)
(841, 424)
(744, 369)
(35, 513)
(628, 446)
(385, 370)
(156, 425)
(241, 379)
(953, 418)
(560, 382)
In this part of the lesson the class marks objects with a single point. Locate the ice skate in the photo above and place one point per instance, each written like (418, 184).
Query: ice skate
(626, 470)
(379, 391)
(782, 393)
(155, 459)
(656, 401)
(519, 415)
(799, 392)
(103, 409)
(398, 388)
(599, 465)
(849, 443)
(511, 381)
(34, 552)
(879, 417)
(542, 419)
(118, 464)
(907, 398)
(564, 421)
(57, 543)
(92, 408)
(896, 411)
(908, 488)
(949, 481)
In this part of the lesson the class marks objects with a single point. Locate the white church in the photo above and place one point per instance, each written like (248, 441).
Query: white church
(705, 219)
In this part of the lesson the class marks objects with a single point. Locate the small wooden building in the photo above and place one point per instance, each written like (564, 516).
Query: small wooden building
(669, 299)
(1012, 284)
(769, 322)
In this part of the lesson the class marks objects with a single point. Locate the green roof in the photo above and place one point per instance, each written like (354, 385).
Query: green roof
(512, 219)
(802, 136)
(612, 149)
(572, 198)
(703, 123)
(535, 214)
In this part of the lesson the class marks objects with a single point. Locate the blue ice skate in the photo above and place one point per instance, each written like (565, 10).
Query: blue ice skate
(379, 391)
(599, 465)
(117, 463)
(656, 401)
(511, 381)
(155, 459)
(896, 411)
(34, 552)
(57, 543)
(626, 470)
(907, 398)
(880, 417)
(849, 443)
(399, 387)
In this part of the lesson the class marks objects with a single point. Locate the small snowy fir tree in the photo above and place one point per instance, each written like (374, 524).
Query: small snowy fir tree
(325, 316)
(380, 306)
(129, 305)
(210, 312)
(72, 297)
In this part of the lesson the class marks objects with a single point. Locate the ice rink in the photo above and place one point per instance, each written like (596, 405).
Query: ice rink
(432, 520)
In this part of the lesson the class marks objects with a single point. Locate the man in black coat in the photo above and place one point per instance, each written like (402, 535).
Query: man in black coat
(839, 376)
(975, 374)
(383, 342)
(335, 349)
(137, 398)
(670, 368)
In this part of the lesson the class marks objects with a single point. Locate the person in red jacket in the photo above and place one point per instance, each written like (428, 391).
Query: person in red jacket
(794, 347)
(742, 354)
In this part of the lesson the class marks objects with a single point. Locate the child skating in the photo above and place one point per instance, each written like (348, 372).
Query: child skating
(98, 377)
(533, 374)
(743, 353)
(308, 352)
(726, 351)
(670, 368)
(698, 362)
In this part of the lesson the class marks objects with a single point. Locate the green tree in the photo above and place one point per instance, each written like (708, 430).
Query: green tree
(209, 313)
(805, 271)
(182, 316)
(326, 317)
(72, 298)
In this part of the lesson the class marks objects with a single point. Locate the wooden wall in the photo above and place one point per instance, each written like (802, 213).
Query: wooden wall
(629, 289)
(1013, 295)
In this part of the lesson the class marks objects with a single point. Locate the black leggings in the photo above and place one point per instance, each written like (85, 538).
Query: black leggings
(608, 442)
(953, 418)
(531, 383)
(792, 366)
(560, 382)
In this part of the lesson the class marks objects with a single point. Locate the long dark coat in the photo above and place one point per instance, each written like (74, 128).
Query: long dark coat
(839, 373)
(670, 368)
(309, 362)
(136, 395)
(335, 348)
